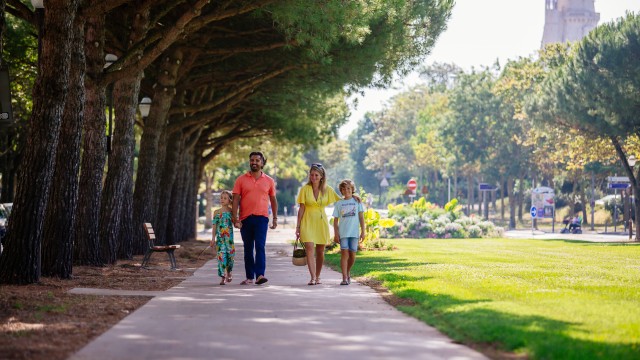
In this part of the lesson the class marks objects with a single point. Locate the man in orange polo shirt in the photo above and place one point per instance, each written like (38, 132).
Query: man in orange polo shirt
(253, 191)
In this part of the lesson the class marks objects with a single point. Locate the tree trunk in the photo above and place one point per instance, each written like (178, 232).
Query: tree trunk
(520, 195)
(470, 195)
(191, 220)
(167, 180)
(20, 262)
(87, 246)
(455, 183)
(480, 200)
(208, 194)
(583, 199)
(129, 244)
(120, 174)
(502, 198)
(512, 203)
(145, 186)
(119, 179)
(60, 218)
(178, 203)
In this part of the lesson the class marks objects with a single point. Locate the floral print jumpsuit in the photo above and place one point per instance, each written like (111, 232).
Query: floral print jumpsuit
(224, 241)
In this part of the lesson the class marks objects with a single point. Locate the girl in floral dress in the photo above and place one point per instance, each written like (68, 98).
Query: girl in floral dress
(222, 237)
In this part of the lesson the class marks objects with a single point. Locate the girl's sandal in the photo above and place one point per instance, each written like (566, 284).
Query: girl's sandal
(229, 278)
(222, 282)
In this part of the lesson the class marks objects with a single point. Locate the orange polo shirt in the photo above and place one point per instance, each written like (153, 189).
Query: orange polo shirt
(254, 194)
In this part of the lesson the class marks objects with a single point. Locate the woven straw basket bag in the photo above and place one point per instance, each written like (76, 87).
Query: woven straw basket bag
(299, 255)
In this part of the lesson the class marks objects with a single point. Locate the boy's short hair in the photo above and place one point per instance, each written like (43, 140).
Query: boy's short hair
(347, 183)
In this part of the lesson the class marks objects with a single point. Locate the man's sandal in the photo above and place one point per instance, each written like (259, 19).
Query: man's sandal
(246, 282)
(261, 280)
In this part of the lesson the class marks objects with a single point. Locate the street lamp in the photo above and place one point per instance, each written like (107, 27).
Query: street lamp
(145, 106)
(38, 5)
(109, 59)
(631, 160)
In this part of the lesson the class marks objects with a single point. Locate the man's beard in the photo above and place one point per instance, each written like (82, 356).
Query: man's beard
(255, 167)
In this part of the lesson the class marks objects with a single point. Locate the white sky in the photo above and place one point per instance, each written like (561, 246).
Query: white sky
(478, 33)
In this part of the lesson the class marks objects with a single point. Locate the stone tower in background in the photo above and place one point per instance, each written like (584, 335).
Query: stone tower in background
(568, 20)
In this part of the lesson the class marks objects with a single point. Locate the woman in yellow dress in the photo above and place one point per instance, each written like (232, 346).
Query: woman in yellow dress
(313, 227)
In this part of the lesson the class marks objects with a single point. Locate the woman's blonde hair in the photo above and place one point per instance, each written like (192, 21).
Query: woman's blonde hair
(319, 168)
(347, 183)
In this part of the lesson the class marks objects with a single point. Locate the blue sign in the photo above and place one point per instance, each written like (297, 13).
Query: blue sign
(534, 212)
(485, 187)
(618, 185)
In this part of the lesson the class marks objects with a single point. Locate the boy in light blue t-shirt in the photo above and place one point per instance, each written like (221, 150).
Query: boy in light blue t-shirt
(347, 215)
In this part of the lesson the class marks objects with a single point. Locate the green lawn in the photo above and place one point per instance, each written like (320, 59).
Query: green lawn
(546, 299)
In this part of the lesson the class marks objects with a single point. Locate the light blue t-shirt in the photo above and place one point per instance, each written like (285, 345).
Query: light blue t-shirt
(346, 211)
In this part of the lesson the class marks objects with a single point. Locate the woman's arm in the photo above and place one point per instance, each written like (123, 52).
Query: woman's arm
(300, 214)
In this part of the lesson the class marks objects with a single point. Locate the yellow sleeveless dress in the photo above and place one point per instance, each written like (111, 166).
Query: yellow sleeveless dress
(314, 226)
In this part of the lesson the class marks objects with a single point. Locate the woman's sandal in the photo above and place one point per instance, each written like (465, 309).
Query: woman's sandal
(318, 281)
(344, 282)
(312, 282)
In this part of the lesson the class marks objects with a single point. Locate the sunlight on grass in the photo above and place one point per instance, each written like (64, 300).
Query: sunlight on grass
(547, 299)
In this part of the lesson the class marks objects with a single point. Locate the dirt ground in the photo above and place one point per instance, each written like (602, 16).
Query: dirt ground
(43, 321)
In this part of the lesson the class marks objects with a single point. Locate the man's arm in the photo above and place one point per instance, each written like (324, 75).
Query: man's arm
(274, 209)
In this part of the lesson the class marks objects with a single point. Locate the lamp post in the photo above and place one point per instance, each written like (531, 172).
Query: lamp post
(632, 162)
(109, 59)
(38, 5)
(145, 106)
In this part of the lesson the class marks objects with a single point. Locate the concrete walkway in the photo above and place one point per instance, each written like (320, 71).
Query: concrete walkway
(283, 319)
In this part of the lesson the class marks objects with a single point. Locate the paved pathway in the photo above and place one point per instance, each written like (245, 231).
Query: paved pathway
(283, 319)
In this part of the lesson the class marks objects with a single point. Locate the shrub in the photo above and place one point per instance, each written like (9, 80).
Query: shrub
(474, 231)
(422, 219)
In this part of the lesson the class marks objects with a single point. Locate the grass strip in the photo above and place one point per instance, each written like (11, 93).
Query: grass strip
(544, 299)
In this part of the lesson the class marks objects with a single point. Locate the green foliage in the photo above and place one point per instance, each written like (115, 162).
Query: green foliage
(373, 225)
(539, 299)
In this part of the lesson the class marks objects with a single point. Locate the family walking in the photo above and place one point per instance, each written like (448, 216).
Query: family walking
(254, 191)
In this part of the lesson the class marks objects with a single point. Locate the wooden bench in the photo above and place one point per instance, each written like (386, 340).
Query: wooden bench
(169, 249)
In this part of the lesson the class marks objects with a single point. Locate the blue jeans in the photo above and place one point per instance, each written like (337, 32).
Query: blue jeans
(254, 235)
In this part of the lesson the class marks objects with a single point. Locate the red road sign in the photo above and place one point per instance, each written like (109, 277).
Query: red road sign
(412, 185)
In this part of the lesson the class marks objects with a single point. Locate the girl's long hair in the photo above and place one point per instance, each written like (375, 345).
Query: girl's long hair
(319, 168)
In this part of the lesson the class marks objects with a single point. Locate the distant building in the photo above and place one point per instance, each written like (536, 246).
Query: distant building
(568, 20)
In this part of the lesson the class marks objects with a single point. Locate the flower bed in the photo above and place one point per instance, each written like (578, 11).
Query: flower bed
(422, 219)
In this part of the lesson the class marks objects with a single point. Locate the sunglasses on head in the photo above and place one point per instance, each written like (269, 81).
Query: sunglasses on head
(318, 165)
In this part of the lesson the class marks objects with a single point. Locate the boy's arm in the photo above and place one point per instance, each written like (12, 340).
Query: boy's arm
(363, 231)
(336, 230)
